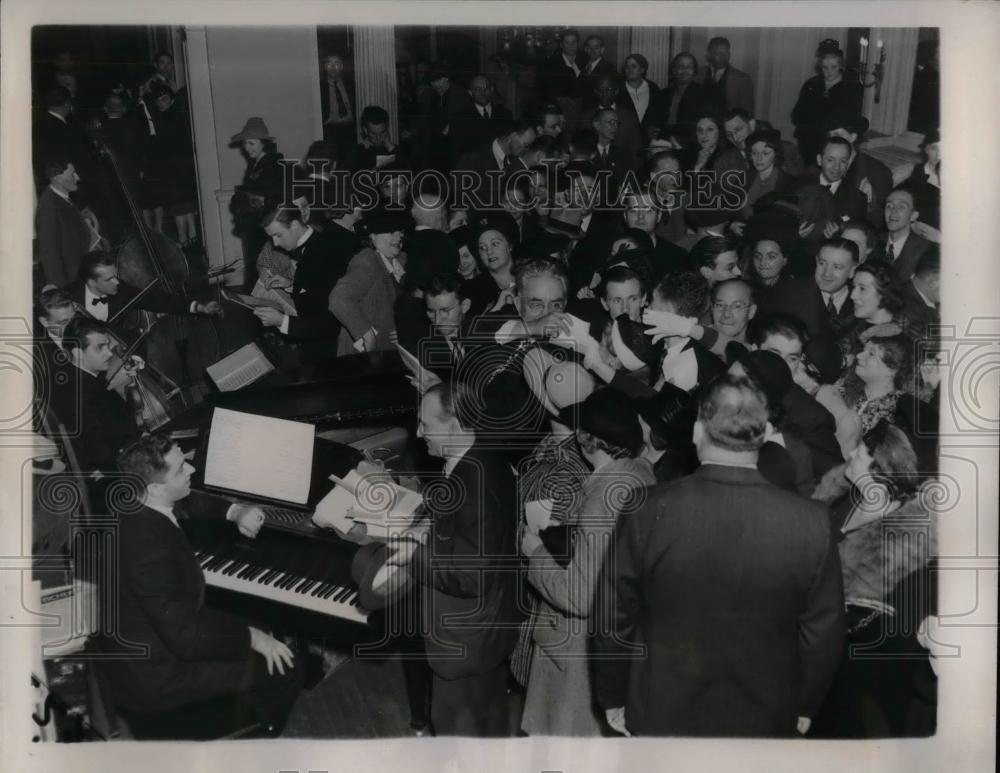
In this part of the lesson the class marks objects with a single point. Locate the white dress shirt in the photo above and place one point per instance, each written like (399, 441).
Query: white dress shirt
(498, 154)
(639, 97)
(838, 297)
(97, 310)
(283, 327)
(827, 184)
(897, 247)
(452, 461)
(572, 64)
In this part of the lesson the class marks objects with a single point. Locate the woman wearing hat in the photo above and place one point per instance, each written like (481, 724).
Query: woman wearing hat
(888, 539)
(262, 187)
(832, 91)
(560, 698)
(819, 369)
(492, 237)
(364, 297)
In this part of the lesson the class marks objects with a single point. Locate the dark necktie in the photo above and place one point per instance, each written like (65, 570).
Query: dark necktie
(604, 156)
(831, 307)
(96, 301)
(341, 107)
(890, 254)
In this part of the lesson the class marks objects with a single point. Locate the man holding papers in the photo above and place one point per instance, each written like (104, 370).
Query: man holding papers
(467, 570)
(198, 662)
(320, 261)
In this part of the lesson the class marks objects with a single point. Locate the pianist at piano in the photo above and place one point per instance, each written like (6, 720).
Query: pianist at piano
(195, 654)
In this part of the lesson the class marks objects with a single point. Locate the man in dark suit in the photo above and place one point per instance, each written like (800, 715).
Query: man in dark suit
(822, 302)
(597, 67)
(562, 77)
(722, 602)
(922, 295)
(867, 174)
(643, 212)
(338, 105)
(805, 419)
(92, 408)
(467, 571)
(376, 148)
(56, 135)
(491, 163)
(65, 233)
(477, 123)
(726, 87)
(825, 200)
(99, 290)
(627, 139)
(321, 258)
(900, 245)
(194, 654)
(441, 105)
(447, 308)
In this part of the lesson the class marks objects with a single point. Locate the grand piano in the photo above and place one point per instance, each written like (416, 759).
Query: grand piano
(293, 575)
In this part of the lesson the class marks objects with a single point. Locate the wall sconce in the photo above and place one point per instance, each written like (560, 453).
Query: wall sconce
(877, 70)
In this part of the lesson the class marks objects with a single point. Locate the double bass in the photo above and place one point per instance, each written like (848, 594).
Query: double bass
(178, 346)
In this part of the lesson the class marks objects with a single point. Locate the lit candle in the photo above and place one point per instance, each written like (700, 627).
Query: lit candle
(864, 52)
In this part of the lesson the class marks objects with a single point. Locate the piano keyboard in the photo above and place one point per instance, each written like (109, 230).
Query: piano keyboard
(313, 591)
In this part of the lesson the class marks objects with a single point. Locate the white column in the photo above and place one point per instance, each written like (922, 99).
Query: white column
(654, 44)
(891, 113)
(375, 72)
(220, 244)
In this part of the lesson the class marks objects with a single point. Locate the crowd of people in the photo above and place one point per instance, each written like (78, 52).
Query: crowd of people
(681, 373)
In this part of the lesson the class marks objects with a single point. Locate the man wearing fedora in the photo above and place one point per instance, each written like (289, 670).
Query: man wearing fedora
(363, 298)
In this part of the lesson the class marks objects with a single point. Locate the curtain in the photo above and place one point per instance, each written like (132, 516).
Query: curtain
(375, 72)
(890, 115)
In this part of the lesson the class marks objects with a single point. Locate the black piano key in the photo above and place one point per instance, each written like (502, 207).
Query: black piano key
(320, 589)
(333, 590)
(256, 573)
(234, 568)
(344, 593)
(303, 587)
(247, 571)
(288, 581)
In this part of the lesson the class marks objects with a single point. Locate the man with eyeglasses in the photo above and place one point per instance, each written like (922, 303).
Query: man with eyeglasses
(732, 308)
(623, 139)
(446, 307)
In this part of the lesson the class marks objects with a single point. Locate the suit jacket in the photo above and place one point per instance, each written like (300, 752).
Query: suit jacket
(437, 114)
(625, 103)
(194, 653)
(320, 262)
(818, 205)
(799, 297)
(688, 111)
(490, 176)
(905, 263)
(154, 299)
(324, 96)
(363, 299)
(559, 81)
(815, 426)
(588, 80)
(99, 421)
(629, 137)
(918, 315)
(733, 587)
(52, 137)
(733, 90)
(63, 238)
(865, 167)
(470, 131)
(467, 568)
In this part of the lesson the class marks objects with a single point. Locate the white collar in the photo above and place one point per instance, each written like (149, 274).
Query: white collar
(61, 194)
(730, 464)
(838, 297)
(923, 297)
(592, 65)
(832, 185)
(85, 370)
(897, 246)
(89, 295)
(483, 108)
(452, 461)
(60, 117)
(304, 237)
(585, 223)
(643, 84)
(167, 511)
(498, 153)
(569, 61)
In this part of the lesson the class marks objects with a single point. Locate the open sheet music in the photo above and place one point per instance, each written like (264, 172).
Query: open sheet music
(244, 366)
(259, 455)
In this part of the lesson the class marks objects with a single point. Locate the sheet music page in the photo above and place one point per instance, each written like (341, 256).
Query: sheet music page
(260, 455)
(242, 367)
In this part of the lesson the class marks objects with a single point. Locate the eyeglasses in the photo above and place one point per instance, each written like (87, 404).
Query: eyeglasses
(736, 306)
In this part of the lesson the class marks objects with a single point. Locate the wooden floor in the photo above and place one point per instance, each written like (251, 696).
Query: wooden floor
(362, 699)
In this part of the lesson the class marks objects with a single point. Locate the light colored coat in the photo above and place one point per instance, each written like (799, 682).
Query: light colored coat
(363, 299)
(559, 695)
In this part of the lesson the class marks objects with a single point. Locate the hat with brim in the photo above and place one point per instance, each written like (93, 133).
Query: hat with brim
(610, 415)
(253, 129)
(766, 368)
(825, 356)
(502, 222)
